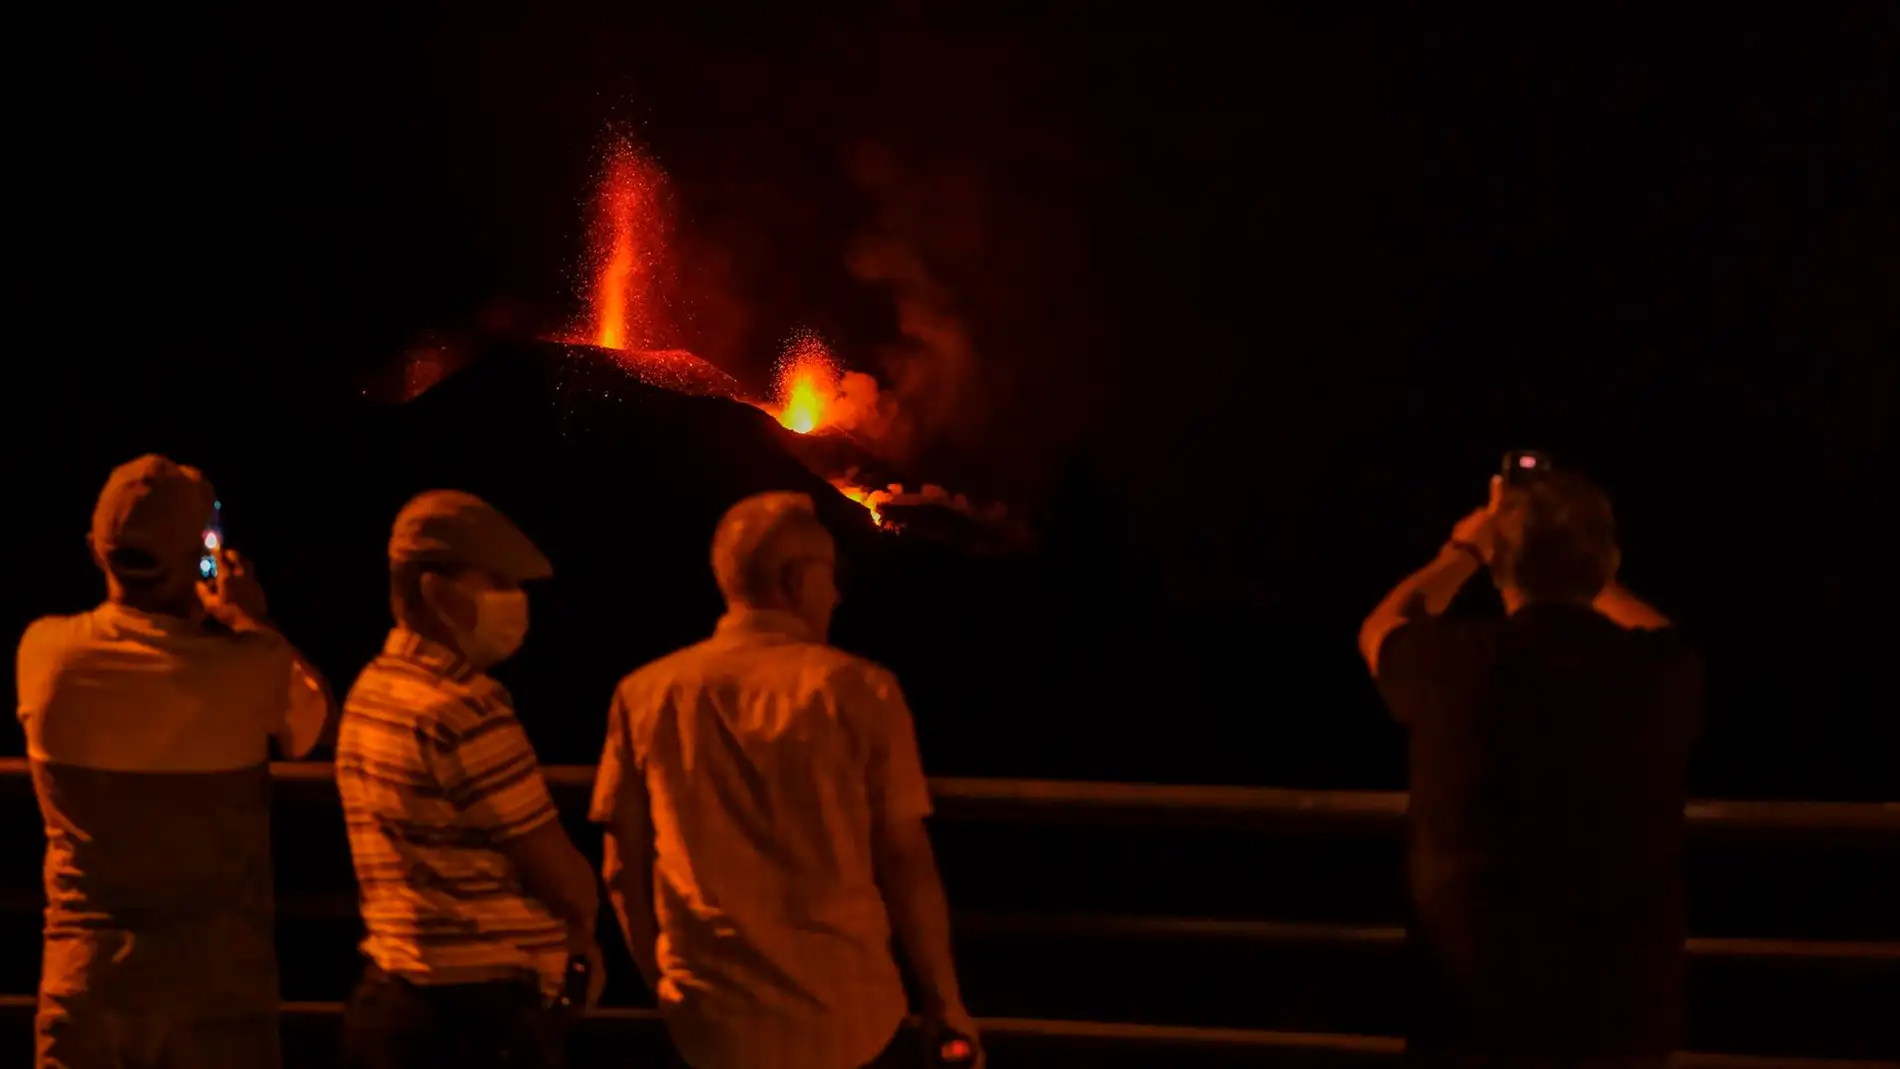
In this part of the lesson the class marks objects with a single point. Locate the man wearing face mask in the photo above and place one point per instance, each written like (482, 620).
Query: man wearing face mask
(764, 807)
(473, 897)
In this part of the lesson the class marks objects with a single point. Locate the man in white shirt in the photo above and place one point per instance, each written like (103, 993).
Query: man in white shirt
(149, 723)
(764, 808)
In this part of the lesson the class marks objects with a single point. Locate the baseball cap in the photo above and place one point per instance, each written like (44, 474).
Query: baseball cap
(156, 506)
(456, 528)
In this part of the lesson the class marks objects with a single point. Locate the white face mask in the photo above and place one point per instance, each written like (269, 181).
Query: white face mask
(501, 625)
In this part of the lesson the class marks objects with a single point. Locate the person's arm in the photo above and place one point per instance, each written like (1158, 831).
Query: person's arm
(236, 600)
(905, 865)
(310, 716)
(1431, 589)
(627, 866)
(913, 891)
(492, 779)
(621, 804)
(1628, 611)
(555, 873)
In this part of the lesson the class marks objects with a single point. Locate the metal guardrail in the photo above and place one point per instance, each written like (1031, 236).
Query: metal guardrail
(970, 795)
(1097, 1034)
(1345, 938)
(1258, 806)
(1380, 807)
(1372, 811)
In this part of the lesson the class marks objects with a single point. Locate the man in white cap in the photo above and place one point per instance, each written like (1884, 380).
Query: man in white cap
(149, 723)
(473, 897)
(764, 807)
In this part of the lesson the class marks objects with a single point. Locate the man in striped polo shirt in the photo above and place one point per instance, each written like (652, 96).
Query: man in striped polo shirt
(472, 894)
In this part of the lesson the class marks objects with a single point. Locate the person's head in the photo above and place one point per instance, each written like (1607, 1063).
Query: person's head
(148, 533)
(456, 566)
(1555, 541)
(770, 552)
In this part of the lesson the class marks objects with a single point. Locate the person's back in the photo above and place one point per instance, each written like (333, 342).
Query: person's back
(148, 731)
(1548, 763)
(1549, 759)
(764, 804)
(148, 741)
(756, 745)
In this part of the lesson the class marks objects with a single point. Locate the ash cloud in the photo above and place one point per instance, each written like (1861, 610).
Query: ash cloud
(932, 368)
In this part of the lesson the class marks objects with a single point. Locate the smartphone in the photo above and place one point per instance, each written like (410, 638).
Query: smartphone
(213, 542)
(1521, 465)
(573, 1000)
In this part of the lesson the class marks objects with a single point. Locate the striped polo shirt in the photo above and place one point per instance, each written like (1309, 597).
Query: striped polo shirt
(435, 774)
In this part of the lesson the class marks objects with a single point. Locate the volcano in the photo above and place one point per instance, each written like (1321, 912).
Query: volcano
(618, 434)
(620, 481)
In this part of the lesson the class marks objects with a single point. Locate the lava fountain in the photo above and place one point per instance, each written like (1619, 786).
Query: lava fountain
(807, 383)
(813, 392)
(628, 301)
(630, 316)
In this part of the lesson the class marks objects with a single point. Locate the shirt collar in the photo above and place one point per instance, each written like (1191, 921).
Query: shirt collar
(171, 625)
(427, 653)
(773, 623)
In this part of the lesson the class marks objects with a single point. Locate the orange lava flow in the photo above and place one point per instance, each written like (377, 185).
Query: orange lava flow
(872, 500)
(629, 247)
(808, 383)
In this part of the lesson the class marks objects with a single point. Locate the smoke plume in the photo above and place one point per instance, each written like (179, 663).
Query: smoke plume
(932, 368)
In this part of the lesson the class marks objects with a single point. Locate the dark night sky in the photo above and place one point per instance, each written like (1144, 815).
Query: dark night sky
(1294, 232)
(1290, 287)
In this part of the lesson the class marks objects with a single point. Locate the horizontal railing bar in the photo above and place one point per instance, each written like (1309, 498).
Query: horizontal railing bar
(1151, 1035)
(1081, 796)
(341, 905)
(1214, 929)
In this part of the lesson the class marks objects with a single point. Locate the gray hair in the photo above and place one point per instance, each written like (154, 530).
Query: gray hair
(751, 543)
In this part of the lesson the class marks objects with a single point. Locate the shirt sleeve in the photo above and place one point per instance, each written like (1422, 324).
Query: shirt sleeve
(30, 670)
(1405, 664)
(899, 791)
(488, 772)
(294, 703)
(306, 712)
(617, 764)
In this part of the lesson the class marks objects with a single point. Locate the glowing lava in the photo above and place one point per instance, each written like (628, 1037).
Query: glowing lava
(808, 384)
(629, 253)
(630, 290)
(872, 500)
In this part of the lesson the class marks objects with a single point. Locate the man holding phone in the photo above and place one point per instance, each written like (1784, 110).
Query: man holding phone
(149, 724)
(1549, 765)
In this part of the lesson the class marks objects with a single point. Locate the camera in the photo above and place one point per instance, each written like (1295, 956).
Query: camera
(1523, 465)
